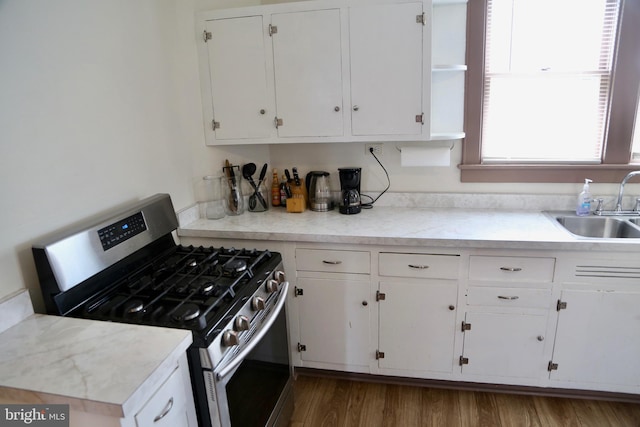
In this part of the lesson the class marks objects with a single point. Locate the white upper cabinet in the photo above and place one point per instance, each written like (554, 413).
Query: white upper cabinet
(307, 59)
(239, 95)
(319, 71)
(386, 69)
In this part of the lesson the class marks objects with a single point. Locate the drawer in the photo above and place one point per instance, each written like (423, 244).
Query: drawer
(511, 269)
(167, 407)
(327, 260)
(419, 265)
(509, 297)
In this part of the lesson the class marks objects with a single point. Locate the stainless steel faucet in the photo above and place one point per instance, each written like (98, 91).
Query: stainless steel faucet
(621, 192)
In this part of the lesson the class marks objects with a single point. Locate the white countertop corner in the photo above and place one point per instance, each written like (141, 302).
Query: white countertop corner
(94, 366)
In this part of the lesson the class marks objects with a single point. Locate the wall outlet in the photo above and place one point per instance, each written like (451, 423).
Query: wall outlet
(377, 149)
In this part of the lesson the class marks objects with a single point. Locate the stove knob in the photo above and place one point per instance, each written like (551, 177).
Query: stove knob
(230, 338)
(241, 323)
(257, 303)
(271, 286)
(279, 276)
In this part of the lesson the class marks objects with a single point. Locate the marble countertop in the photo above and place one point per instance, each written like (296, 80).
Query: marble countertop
(407, 226)
(97, 367)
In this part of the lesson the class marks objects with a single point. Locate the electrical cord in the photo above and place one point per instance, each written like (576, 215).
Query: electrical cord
(370, 204)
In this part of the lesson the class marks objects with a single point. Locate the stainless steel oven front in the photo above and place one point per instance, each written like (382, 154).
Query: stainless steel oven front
(246, 374)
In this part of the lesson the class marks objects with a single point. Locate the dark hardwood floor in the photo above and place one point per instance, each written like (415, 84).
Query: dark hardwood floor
(341, 402)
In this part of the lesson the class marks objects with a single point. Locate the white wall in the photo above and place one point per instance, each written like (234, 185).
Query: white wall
(99, 105)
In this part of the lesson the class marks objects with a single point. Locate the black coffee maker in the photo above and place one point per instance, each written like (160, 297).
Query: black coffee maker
(350, 202)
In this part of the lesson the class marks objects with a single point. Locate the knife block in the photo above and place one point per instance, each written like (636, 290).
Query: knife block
(296, 203)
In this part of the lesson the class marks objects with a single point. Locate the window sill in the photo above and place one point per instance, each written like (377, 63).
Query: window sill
(545, 173)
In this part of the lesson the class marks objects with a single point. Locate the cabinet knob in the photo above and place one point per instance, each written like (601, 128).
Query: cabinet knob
(540, 338)
(336, 108)
(356, 108)
(365, 303)
(263, 111)
(452, 307)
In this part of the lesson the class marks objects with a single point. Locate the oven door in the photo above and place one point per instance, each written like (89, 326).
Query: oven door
(255, 388)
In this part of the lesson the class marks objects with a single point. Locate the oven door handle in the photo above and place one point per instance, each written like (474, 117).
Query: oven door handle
(256, 338)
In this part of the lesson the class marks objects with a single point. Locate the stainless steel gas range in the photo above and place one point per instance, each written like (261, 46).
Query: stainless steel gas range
(126, 267)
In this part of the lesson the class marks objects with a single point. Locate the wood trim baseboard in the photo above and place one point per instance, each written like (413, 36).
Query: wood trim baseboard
(472, 386)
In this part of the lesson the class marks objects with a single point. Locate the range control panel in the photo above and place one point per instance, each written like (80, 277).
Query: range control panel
(121, 231)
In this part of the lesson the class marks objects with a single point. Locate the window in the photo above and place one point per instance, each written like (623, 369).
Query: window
(552, 90)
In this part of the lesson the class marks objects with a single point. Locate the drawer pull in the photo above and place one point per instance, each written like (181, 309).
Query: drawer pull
(418, 267)
(510, 268)
(515, 297)
(165, 411)
(332, 262)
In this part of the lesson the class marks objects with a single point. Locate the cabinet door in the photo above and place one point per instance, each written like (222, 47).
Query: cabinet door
(417, 325)
(334, 321)
(307, 59)
(598, 338)
(237, 67)
(505, 345)
(386, 69)
(168, 406)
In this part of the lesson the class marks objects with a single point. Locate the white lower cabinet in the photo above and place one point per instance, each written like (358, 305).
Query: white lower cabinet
(418, 294)
(171, 405)
(504, 345)
(417, 325)
(334, 321)
(508, 302)
(598, 340)
(332, 297)
(563, 320)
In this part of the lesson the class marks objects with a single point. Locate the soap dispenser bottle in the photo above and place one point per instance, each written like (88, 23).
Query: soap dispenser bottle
(583, 207)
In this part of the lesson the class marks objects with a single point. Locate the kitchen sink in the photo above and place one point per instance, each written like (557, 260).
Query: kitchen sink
(601, 227)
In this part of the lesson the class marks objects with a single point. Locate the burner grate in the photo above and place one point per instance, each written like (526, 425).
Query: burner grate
(187, 287)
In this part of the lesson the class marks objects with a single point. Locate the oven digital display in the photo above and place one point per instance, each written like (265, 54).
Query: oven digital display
(121, 231)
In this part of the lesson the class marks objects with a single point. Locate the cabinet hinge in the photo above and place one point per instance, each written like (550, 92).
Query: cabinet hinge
(278, 122)
(379, 354)
(273, 30)
(419, 118)
(380, 296)
(297, 291)
(420, 19)
(301, 348)
(464, 360)
(552, 366)
(206, 36)
(215, 125)
(466, 326)
(561, 305)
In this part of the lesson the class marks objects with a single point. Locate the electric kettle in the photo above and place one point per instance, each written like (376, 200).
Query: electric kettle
(319, 191)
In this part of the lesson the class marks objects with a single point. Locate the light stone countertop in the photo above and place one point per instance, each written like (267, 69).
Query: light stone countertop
(96, 367)
(406, 226)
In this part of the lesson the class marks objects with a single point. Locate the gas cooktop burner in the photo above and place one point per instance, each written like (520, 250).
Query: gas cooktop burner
(185, 312)
(235, 265)
(207, 287)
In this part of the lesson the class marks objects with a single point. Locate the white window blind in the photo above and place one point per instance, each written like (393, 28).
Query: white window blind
(547, 80)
